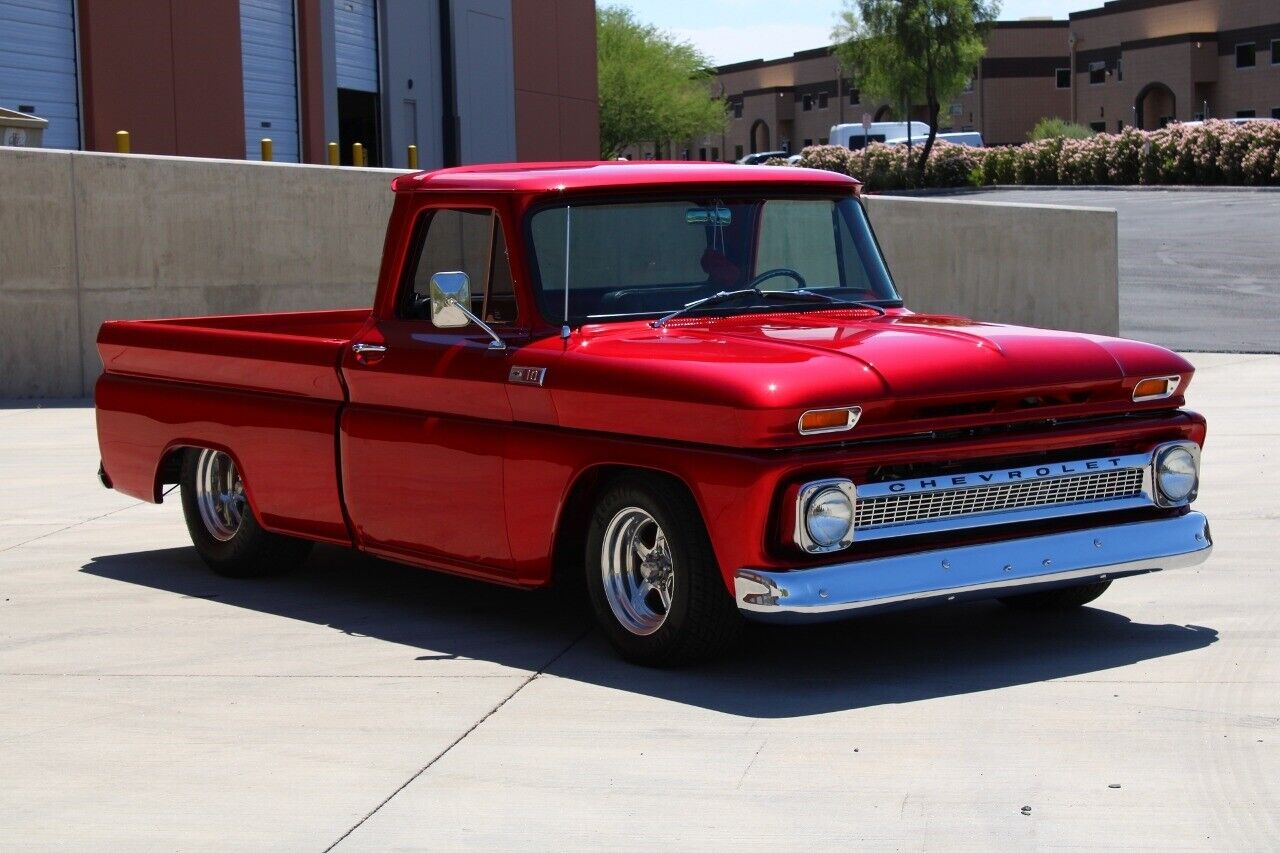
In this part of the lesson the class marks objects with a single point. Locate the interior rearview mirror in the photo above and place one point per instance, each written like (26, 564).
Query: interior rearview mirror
(450, 299)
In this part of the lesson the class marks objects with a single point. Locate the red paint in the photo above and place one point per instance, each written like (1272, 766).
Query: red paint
(445, 463)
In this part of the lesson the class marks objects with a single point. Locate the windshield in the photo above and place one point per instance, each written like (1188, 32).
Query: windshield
(653, 257)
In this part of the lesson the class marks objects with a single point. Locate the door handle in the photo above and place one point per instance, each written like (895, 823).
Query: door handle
(368, 353)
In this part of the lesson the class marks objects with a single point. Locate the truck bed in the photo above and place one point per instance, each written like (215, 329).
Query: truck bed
(264, 387)
(293, 353)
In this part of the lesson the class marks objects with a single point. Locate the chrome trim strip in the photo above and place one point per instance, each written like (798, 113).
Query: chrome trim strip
(1002, 476)
(987, 570)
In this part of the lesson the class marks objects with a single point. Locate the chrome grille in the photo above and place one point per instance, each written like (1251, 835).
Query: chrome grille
(891, 510)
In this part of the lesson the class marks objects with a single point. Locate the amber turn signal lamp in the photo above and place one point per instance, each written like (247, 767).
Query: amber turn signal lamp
(829, 420)
(1156, 388)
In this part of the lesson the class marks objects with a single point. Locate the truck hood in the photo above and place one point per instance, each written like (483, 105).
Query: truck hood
(745, 380)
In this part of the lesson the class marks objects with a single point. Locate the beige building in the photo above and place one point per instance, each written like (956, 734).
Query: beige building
(1129, 62)
(1147, 62)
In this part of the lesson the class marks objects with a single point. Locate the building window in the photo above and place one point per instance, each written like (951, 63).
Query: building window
(715, 154)
(1246, 113)
(855, 97)
(808, 142)
(822, 140)
(702, 154)
(737, 152)
(1097, 73)
(1119, 69)
(1098, 126)
(1275, 112)
(1119, 125)
(1246, 55)
(806, 103)
(1275, 51)
(737, 109)
(822, 100)
(1064, 78)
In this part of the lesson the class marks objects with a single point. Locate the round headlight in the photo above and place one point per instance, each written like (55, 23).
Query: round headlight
(1176, 474)
(828, 517)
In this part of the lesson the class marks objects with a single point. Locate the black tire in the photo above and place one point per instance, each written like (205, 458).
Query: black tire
(251, 552)
(1066, 598)
(703, 622)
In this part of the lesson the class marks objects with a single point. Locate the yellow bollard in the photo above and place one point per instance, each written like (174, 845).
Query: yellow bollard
(413, 157)
(122, 142)
(333, 154)
(357, 154)
(266, 149)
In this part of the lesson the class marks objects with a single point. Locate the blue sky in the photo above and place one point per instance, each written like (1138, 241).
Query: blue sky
(734, 30)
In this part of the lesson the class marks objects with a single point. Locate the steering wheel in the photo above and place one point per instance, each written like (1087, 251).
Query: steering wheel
(775, 273)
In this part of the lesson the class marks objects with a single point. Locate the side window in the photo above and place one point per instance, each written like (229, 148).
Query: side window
(469, 240)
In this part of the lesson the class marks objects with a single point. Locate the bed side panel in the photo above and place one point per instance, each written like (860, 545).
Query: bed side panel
(283, 445)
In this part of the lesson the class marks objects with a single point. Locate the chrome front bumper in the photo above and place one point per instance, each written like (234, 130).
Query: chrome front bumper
(989, 570)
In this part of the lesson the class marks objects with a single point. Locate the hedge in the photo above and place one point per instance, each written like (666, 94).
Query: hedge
(1213, 153)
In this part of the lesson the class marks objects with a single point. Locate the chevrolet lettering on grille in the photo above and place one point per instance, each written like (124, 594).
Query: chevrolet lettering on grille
(1001, 496)
(1058, 469)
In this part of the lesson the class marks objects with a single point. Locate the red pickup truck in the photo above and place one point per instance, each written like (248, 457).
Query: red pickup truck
(692, 388)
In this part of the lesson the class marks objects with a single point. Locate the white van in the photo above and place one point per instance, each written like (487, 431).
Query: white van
(853, 136)
(971, 138)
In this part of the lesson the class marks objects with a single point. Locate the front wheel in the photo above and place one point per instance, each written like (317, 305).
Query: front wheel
(221, 522)
(1066, 598)
(655, 587)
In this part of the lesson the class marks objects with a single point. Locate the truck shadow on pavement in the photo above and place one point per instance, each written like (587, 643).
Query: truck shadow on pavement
(780, 671)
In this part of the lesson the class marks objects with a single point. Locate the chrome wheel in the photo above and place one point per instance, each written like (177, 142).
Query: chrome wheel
(219, 494)
(638, 572)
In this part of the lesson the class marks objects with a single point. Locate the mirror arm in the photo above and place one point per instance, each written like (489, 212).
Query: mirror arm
(497, 343)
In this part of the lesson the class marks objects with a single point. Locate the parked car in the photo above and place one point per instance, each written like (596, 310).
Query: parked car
(693, 389)
(759, 157)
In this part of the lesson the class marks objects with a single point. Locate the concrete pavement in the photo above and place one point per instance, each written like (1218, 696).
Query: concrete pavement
(148, 704)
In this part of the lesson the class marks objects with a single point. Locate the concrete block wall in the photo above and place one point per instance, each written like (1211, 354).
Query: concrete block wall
(1027, 264)
(86, 237)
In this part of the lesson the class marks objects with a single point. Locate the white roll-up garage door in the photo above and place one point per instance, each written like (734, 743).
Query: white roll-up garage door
(38, 65)
(268, 50)
(355, 25)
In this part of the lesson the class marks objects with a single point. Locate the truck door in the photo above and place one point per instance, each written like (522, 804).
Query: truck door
(424, 435)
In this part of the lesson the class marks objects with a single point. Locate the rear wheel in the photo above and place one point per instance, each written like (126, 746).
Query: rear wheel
(1067, 598)
(652, 578)
(222, 525)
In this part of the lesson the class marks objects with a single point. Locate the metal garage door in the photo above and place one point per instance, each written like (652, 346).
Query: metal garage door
(355, 26)
(38, 65)
(267, 47)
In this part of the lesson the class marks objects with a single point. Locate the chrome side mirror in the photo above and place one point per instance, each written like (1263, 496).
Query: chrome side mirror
(450, 300)
(451, 305)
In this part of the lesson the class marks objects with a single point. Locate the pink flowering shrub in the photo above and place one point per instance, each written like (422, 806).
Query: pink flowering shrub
(1216, 152)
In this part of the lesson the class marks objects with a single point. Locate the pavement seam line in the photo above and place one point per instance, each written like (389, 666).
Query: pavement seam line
(68, 527)
(424, 768)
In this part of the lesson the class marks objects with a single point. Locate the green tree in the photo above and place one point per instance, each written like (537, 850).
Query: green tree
(907, 51)
(1057, 128)
(653, 87)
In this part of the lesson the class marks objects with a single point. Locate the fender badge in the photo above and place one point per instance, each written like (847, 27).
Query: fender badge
(527, 375)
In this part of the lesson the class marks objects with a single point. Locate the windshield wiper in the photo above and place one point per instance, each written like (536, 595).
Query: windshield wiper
(806, 295)
(705, 302)
(803, 295)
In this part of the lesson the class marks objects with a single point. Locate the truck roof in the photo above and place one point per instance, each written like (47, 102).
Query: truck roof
(609, 174)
